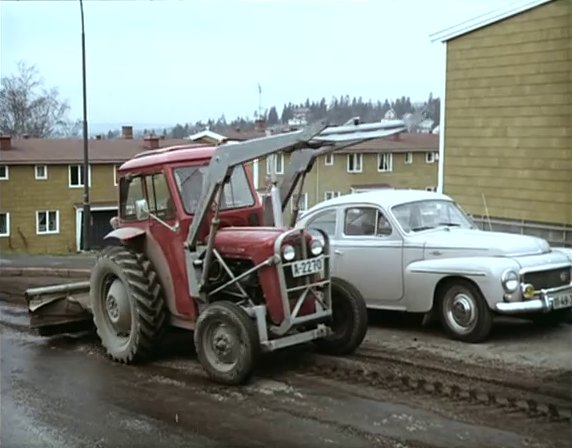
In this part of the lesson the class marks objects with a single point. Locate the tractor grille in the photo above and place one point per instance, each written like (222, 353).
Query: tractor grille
(548, 279)
(291, 281)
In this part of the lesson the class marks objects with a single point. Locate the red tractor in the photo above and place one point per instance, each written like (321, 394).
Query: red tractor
(190, 249)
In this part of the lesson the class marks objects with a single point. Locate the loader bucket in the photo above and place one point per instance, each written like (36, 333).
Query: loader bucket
(60, 308)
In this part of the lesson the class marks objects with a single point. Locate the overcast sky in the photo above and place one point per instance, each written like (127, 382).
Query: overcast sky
(163, 61)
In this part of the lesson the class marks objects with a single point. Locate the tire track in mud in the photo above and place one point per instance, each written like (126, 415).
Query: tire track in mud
(392, 373)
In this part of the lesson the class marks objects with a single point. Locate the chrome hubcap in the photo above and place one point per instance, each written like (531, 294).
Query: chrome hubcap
(117, 307)
(461, 312)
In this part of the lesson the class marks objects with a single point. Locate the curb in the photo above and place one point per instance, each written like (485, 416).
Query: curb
(40, 272)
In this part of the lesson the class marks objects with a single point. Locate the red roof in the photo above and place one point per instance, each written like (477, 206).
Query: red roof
(63, 151)
(174, 154)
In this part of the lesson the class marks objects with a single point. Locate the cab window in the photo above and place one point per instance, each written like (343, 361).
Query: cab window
(131, 192)
(159, 197)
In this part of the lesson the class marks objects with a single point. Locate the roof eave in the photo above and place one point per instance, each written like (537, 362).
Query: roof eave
(483, 20)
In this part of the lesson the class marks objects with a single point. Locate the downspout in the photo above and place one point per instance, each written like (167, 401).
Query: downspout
(441, 168)
(317, 182)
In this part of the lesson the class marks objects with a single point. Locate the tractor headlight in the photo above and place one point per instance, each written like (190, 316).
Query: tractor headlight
(288, 252)
(510, 281)
(316, 247)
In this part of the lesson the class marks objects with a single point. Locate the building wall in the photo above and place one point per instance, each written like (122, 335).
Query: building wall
(508, 117)
(22, 195)
(322, 178)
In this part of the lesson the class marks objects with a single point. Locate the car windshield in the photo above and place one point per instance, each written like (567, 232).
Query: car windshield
(430, 214)
(190, 181)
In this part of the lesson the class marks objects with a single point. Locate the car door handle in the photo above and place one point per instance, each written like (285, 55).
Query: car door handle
(338, 252)
(436, 252)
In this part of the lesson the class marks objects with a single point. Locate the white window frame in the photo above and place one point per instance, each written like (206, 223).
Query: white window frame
(3, 235)
(115, 179)
(45, 176)
(390, 164)
(80, 167)
(408, 158)
(430, 157)
(48, 231)
(305, 195)
(279, 156)
(332, 194)
(358, 156)
(7, 173)
(329, 159)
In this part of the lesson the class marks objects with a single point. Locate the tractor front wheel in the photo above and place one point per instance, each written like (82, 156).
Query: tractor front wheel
(129, 311)
(226, 342)
(349, 324)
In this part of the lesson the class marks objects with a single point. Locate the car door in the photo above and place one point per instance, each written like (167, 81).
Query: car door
(369, 253)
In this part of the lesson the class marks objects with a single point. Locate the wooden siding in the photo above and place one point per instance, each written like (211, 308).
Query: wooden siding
(22, 195)
(508, 117)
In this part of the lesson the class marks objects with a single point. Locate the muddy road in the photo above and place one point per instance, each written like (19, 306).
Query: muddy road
(63, 391)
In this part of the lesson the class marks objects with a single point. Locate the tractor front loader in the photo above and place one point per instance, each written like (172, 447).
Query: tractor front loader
(190, 249)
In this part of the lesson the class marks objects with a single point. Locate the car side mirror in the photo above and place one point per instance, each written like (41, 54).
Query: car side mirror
(141, 209)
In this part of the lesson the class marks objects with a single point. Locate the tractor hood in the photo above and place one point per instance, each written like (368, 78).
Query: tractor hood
(247, 242)
(470, 242)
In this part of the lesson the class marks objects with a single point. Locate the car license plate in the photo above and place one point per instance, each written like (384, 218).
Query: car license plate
(562, 299)
(307, 267)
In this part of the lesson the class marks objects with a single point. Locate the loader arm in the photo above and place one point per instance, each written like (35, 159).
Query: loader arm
(227, 157)
(302, 161)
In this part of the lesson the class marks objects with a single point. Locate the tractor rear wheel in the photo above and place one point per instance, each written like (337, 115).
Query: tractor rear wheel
(349, 323)
(226, 341)
(128, 306)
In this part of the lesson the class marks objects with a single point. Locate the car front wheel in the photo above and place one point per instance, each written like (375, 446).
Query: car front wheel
(464, 314)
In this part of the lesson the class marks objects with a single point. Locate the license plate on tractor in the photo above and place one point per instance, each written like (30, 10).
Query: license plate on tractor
(307, 267)
(562, 299)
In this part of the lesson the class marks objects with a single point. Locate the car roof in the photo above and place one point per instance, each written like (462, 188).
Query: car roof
(386, 198)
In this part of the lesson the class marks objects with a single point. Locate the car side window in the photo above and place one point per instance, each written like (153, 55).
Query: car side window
(365, 221)
(325, 221)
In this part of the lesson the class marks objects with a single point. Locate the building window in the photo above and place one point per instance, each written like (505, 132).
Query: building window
(430, 157)
(76, 175)
(4, 224)
(329, 159)
(384, 162)
(331, 194)
(47, 221)
(355, 163)
(116, 175)
(301, 200)
(408, 158)
(278, 164)
(4, 172)
(41, 172)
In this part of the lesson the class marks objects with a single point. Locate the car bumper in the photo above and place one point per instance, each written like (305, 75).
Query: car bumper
(543, 303)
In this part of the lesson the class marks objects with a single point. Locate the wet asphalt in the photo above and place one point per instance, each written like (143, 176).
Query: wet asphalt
(63, 392)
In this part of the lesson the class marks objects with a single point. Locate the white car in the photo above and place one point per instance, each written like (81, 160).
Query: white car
(417, 251)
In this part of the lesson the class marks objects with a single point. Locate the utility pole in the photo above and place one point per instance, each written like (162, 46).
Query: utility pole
(86, 207)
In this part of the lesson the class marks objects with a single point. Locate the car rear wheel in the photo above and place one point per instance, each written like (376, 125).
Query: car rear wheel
(464, 314)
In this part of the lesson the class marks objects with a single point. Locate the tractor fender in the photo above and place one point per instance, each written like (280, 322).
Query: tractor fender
(125, 234)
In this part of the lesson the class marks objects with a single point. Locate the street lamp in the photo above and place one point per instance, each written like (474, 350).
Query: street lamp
(86, 208)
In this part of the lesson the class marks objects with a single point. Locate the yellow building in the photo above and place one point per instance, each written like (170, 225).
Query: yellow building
(506, 118)
(42, 185)
(403, 161)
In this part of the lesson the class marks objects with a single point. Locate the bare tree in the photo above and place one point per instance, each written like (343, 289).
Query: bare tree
(26, 107)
